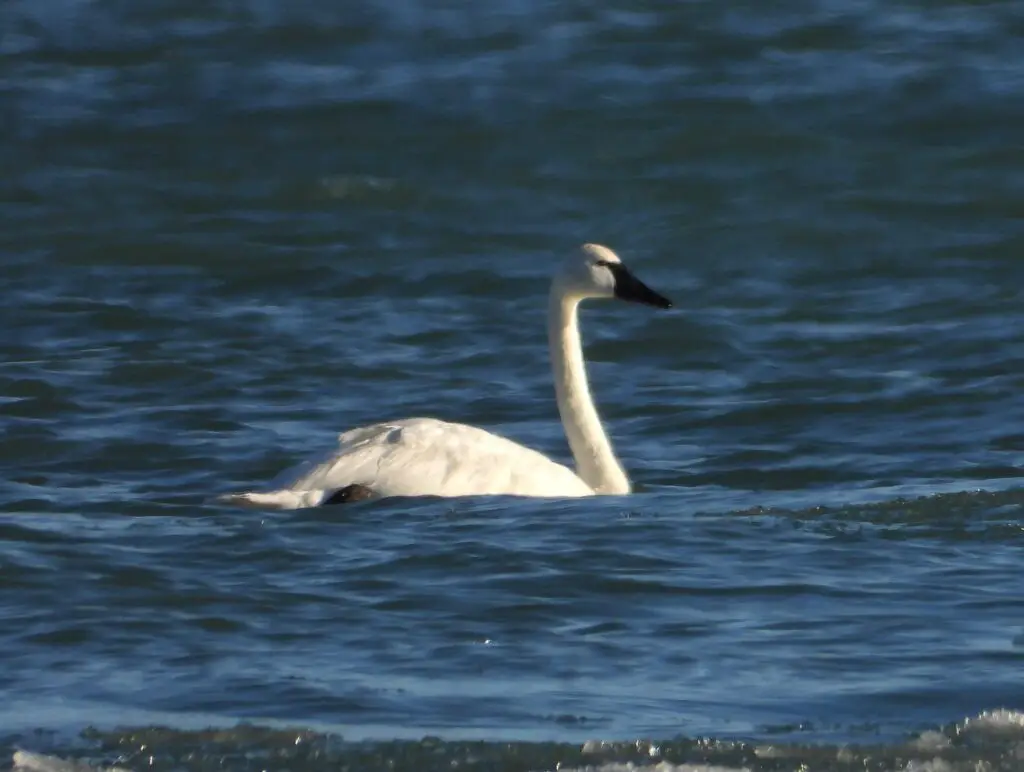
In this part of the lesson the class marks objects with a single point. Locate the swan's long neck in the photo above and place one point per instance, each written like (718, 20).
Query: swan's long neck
(595, 460)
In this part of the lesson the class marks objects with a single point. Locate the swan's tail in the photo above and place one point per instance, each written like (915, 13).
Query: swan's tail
(282, 499)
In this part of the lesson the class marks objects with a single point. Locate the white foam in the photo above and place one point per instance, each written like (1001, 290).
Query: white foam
(931, 741)
(599, 746)
(935, 765)
(1000, 720)
(663, 766)
(25, 761)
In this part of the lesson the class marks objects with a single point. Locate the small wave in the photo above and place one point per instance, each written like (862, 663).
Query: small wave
(993, 740)
(649, 749)
(38, 762)
(1004, 722)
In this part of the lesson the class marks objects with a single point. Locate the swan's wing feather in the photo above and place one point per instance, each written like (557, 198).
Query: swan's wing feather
(420, 457)
(357, 452)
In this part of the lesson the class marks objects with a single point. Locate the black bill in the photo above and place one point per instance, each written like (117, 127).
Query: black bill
(628, 287)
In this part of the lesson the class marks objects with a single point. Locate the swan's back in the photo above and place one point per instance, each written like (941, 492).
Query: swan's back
(419, 457)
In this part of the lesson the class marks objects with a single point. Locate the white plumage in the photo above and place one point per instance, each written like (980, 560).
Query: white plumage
(428, 457)
(420, 457)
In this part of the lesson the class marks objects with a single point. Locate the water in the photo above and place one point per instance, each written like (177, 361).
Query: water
(230, 230)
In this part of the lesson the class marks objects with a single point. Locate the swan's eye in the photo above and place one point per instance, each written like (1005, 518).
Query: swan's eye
(603, 264)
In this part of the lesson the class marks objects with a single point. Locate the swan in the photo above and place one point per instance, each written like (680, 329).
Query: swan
(430, 457)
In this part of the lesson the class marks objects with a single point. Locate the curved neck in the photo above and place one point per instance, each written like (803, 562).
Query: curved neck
(595, 460)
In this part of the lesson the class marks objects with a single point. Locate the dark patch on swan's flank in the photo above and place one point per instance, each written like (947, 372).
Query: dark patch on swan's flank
(348, 494)
(628, 287)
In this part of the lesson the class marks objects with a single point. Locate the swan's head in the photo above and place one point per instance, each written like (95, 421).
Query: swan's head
(594, 271)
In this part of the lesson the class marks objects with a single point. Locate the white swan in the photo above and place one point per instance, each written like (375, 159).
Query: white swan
(428, 457)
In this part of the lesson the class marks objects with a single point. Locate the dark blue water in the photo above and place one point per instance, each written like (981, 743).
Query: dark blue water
(231, 230)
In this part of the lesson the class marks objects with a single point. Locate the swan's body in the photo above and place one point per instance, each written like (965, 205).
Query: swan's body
(428, 457)
(420, 457)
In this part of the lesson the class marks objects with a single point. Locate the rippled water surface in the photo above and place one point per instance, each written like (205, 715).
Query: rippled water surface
(230, 230)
